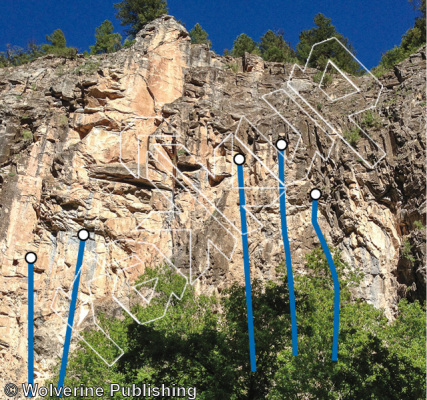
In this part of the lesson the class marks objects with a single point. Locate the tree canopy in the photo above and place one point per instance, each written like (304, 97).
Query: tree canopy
(137, 13)
(194, 345)
(106, 40)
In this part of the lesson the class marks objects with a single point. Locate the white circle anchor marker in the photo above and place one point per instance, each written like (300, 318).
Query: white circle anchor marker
(239, 159)
(316, 194)
(30, 257)
(281, 144)
(83, 234)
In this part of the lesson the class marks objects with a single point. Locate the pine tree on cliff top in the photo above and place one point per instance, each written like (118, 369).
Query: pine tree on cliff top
(138, 13)
(58, 45)
(244, 44)
(411, 41)
(106, 40)
(199, 35)
(274, 47)
(331, 50)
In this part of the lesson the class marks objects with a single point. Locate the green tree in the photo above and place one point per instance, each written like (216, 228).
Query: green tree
(244, 44)
(274, 47)
(57, 39)
(58, 45)
(194, 345)
(4, 62)
(34, 50)
(137, 13)
(329, 50)
(128, 42)
(16, 55)
(411, 41)
(416, 37)
(106, 40)
(371, 355)
(199, 35)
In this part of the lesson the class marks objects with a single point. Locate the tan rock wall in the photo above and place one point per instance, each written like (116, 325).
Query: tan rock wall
(86, 166)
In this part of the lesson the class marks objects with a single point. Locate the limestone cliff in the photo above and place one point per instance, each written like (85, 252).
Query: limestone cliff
(75, 152)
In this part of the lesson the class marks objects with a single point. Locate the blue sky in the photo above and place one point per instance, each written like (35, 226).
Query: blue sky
(373, 26)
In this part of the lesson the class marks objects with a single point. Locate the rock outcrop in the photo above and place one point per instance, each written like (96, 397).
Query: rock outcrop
(75, 152)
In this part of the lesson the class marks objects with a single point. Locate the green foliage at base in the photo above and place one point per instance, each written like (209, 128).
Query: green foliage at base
(195, 345)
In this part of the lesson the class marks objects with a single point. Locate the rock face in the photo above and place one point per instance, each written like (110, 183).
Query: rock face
(76, 151)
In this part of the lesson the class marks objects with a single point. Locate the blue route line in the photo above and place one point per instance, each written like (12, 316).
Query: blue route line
(287, 252)
(334, 278)
(30, 325)
(247, 269)
(71, 316)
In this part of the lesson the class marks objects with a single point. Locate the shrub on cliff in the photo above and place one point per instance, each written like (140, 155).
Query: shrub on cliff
(194, 345)
(138, 13)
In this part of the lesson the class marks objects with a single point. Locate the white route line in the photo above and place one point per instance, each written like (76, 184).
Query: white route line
(350, 116)
(172, 171)
(76, 332)
(122, 270)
